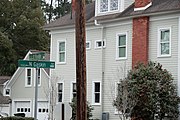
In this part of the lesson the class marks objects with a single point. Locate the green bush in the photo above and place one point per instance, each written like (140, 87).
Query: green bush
(17, 118)
(150, 93)
(74, 106)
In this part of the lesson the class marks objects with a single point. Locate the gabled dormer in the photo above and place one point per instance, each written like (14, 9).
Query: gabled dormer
(104, 7)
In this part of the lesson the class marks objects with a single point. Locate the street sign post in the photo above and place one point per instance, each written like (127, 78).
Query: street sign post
(36, 64)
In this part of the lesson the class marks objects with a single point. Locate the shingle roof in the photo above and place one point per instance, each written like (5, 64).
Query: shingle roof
(3, 79)
(4, 99)
(158, 6)
(70, 19)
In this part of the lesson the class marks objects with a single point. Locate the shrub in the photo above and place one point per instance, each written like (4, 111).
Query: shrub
(150, 94)
(74, 106)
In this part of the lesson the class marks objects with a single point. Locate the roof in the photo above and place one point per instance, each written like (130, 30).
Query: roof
(158, 6)
(4, 99)
(69, 19)
(3, 79)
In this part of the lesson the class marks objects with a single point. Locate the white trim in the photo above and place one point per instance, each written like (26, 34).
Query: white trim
(117, 41)
(26, 85)
(159, 39)
(93, 102)
(62, 92)
(143, 8)
(98, 6)
(13, 110)
(71, 91)
(57, 57)
(99, 47)
(89, 45)
(179, 58)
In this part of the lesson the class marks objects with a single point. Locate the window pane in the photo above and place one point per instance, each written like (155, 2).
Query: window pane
(28, 72)
(114, 5)
(122, 52)
(62, 57)
(29, 81)
(97, 97)
(104, 6)
(74, 87)
(164, 48)
(74, 95)
(165, 35)
(60, 87)
(122, 40)
(62, 46)
(60, 97)
(87, 45)
(97, 87)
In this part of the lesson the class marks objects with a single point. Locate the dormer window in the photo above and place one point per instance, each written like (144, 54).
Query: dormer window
(106, 6)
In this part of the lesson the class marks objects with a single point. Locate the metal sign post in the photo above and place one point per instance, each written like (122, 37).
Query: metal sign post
(36, 94)
(35, 63)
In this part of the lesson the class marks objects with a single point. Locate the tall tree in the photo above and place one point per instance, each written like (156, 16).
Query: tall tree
(21, 22)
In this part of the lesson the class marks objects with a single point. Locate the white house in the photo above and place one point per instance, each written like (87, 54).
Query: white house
(119, 33)
(4, 100)
(21, 89)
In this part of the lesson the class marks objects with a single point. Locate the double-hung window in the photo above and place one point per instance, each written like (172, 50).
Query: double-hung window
(121, 46)
(164, 42)
(28, 77)
(109, 5)
(96, 93)
(73, 91)
(60, 92)
(62, 52)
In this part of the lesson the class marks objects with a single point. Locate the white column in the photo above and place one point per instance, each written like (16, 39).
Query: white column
(179, 57)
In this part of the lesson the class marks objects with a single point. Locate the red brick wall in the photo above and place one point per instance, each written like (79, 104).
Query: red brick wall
(141, 3)
(140, 40)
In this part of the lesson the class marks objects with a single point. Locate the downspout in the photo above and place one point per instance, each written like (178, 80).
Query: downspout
(179, 58)
(102, 61)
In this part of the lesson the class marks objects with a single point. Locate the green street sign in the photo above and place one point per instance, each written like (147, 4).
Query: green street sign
(37, 56)
(36, 64)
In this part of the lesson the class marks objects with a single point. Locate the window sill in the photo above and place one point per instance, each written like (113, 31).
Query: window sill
(123, 58)
(96, 104)
(61, 63)
(164, 56)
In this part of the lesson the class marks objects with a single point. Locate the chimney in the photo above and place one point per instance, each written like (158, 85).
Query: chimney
(142, 4)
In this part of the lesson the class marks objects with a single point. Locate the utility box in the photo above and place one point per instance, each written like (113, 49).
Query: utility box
(105, 116)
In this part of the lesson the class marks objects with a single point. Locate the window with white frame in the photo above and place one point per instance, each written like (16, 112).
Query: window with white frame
(100, 44)
(121, 52)
(164, 42)
(88, 45)
(109, 5)
(62, 52)
(7, 92)
(73, 93)
(28, 77)
(96, 93)
(60, 92)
